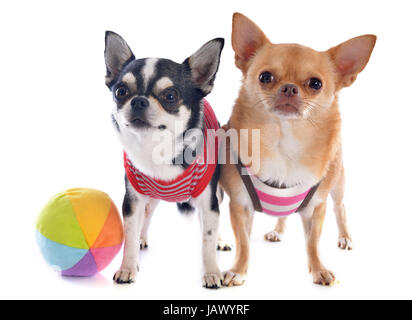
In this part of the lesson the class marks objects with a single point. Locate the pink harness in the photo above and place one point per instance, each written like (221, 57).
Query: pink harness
(277, 202)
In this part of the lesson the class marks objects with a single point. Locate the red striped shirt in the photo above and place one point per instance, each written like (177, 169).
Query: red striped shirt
(192, 182)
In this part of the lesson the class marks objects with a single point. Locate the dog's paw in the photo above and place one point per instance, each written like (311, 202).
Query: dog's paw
(125, 276)
(212, 280)
(323, 277)
(143, 244)
(273, 236)
(224, 246)
(345, 243)
(231, 278)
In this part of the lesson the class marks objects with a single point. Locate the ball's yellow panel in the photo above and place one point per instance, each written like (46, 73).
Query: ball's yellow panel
(91, 208)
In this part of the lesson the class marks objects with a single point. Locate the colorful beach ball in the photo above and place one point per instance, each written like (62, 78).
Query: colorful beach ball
(79, 232)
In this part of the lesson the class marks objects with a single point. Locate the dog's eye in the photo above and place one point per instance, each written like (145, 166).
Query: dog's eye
(169, 96)
(121, 92)
(266, 77)
(315, 84)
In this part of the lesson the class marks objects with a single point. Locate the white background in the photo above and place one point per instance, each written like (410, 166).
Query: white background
(56, 134)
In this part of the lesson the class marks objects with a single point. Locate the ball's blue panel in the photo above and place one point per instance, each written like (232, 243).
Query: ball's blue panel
(59, 256)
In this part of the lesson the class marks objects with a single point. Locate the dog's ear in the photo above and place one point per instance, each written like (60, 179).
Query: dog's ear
(247, 39)
(116, 54)
(204, 64)
(351, 57)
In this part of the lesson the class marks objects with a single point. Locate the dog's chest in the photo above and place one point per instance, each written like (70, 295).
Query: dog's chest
(282, 164)
(145, 154)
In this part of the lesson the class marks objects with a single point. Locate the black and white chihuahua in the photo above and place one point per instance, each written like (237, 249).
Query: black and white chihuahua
(153, 95)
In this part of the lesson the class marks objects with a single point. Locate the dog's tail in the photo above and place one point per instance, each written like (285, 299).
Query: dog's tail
(185, 207)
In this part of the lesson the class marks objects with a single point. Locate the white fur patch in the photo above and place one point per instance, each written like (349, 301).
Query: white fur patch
(162, 84)
(129, 78)
(285, 167)
(132, 227)
(209, 222)
(140, 146)
(148, 70)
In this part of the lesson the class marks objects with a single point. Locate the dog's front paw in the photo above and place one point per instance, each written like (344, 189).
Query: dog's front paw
(231, 278)
(212, 280)
(224, 246)
(125, 276)
(345, 243)
(143, 244)
(273, 236)
(323, 277)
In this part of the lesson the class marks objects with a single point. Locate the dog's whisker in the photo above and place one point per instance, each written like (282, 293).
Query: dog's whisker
(312, 102)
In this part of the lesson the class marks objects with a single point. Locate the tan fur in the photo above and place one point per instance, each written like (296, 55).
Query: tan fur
(315, 128)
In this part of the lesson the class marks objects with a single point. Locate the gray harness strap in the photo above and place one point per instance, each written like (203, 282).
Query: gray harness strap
(249, 187)
(308, 197)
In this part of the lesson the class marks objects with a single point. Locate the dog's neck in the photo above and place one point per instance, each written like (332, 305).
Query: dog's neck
(140, 149)
(179, 158)
(292, 152)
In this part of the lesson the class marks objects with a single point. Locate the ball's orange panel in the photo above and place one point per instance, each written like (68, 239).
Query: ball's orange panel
(91, 208)
(112, 231)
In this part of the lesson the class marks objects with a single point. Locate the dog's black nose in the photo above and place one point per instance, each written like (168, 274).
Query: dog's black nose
(289, 90)
(139, 103)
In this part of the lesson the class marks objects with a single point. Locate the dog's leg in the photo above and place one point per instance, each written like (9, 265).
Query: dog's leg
(312, 224)
(133, 219)
(242, 221)
(344, 240)
(276, 235)
(209, 221)
(222, 245)
(148, 217)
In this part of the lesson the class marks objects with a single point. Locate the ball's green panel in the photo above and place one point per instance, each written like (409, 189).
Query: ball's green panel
(58, 222)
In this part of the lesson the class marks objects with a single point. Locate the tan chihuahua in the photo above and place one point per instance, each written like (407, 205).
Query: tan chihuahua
(290, 93)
